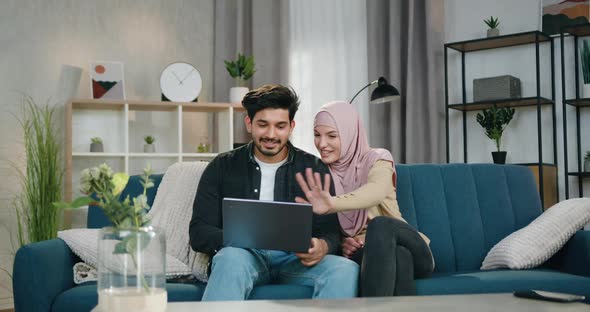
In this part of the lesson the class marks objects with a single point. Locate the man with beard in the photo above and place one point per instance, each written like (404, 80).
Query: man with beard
(265, 169)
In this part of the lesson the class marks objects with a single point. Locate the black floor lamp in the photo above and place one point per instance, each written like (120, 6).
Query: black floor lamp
(382, 94)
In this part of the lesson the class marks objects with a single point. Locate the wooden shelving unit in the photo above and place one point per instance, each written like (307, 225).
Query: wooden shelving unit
(121, 110)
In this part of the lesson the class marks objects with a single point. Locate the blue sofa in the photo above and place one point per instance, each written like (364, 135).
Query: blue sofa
(464, 208)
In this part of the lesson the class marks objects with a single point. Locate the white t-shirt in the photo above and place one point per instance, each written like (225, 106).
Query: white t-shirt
(267, 178)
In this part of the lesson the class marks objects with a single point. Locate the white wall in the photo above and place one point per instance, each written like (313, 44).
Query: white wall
(37, 37)
(464, 21)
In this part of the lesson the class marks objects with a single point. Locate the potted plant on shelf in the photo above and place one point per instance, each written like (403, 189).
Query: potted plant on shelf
(587, 162)
(131, 253)
(149, 147)
(494, 121)
(96, 145)
(585, 60)
(493, 24)
(241, 70)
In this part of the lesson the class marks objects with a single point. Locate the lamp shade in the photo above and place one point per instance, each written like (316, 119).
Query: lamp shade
(384, 92)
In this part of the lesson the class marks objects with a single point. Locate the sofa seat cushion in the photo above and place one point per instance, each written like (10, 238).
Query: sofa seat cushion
(85, 298)
(497, 281)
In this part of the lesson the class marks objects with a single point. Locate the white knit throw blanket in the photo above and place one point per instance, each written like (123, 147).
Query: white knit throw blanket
(171, 212)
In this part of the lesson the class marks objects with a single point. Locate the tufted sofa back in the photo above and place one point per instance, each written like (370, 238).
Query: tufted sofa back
(465, 209)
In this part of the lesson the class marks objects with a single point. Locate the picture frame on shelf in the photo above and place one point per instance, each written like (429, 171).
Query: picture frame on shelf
(556, 14)
(107, 80)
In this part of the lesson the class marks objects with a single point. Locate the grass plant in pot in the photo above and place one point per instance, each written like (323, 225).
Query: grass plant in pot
(493, 24)
(242, 70)
(587, 162)
(149, 146)
(96, 145)
(41, 179)
(494, 122)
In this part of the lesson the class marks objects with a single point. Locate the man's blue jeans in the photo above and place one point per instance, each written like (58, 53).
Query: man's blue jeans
(236, 271)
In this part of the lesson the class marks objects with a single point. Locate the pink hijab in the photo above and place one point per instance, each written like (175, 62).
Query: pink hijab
(351, 170)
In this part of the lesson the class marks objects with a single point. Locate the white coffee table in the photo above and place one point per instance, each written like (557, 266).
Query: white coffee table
(478, 303)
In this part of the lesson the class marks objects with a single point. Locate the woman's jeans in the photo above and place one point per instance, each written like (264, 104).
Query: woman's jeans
(236, 271)
(393, 256)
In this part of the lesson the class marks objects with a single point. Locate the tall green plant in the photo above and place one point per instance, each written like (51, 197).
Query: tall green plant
(585, 60)
(494, 121)
(41, 180)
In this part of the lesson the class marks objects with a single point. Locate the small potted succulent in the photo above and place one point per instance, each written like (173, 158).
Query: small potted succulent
(96, 145)
(494, 121)
(493, 24)
(149, 146)
(241, 70)
(587, 162)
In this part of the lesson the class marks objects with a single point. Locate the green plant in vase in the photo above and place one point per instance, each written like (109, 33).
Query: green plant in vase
(242, 70)
(96, 145)
(149, 146)
(494, 122)
(131, 253)
(493, 24)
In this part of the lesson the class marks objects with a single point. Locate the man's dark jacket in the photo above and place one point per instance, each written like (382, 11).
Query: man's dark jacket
(236, 174)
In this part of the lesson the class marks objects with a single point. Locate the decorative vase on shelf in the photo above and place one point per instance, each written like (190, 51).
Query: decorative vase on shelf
(495, 32)
(499, 157)
(587, 166)
(585, 91)
(132, 270)
(96, 148)
(149, 148)
(236, 94)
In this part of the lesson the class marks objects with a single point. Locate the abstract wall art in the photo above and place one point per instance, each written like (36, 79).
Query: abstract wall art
(107, 80)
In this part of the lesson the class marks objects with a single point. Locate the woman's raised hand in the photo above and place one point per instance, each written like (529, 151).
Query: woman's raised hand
(316, 193)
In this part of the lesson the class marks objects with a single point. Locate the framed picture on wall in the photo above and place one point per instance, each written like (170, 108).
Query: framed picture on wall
(558, 13)
(107, 80)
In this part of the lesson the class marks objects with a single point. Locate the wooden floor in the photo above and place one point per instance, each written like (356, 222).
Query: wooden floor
(9, 310)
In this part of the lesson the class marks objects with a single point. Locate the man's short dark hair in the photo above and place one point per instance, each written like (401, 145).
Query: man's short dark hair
(271, 96)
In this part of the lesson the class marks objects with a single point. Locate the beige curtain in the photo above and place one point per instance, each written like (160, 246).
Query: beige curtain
(251, 27)
(405, 45)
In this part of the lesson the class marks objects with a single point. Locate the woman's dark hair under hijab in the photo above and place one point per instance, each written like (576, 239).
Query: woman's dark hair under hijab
(271, 96)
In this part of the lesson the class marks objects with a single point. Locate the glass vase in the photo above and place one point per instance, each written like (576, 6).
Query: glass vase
(132, 270)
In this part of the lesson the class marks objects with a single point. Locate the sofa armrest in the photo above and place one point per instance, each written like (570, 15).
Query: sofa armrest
(574, 257)
(41, 272)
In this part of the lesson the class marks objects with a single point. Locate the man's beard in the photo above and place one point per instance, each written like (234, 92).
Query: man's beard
(269, 153)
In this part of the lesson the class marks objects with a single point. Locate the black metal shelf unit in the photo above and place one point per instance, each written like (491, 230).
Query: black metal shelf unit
(524, 38)
(577, 31)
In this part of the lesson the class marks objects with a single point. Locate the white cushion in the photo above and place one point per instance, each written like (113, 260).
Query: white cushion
(537, 242)
(83, 243)
(172, 211)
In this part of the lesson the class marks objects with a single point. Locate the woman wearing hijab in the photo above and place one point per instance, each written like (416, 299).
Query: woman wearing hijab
(391, 252)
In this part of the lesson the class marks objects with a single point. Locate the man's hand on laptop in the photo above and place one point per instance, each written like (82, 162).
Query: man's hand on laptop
(315, 254)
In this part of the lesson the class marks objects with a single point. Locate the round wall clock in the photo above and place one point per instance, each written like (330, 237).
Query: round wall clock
(180, 82)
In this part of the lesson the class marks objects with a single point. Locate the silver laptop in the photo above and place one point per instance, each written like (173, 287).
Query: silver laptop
(267, 225)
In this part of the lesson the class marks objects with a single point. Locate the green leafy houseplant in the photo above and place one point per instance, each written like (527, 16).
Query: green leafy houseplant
(149, 139)
(494, 121)
(96, 140)
(492, 22)
(41, 180)
(587, 157)
(242, 69)
(126, 214)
